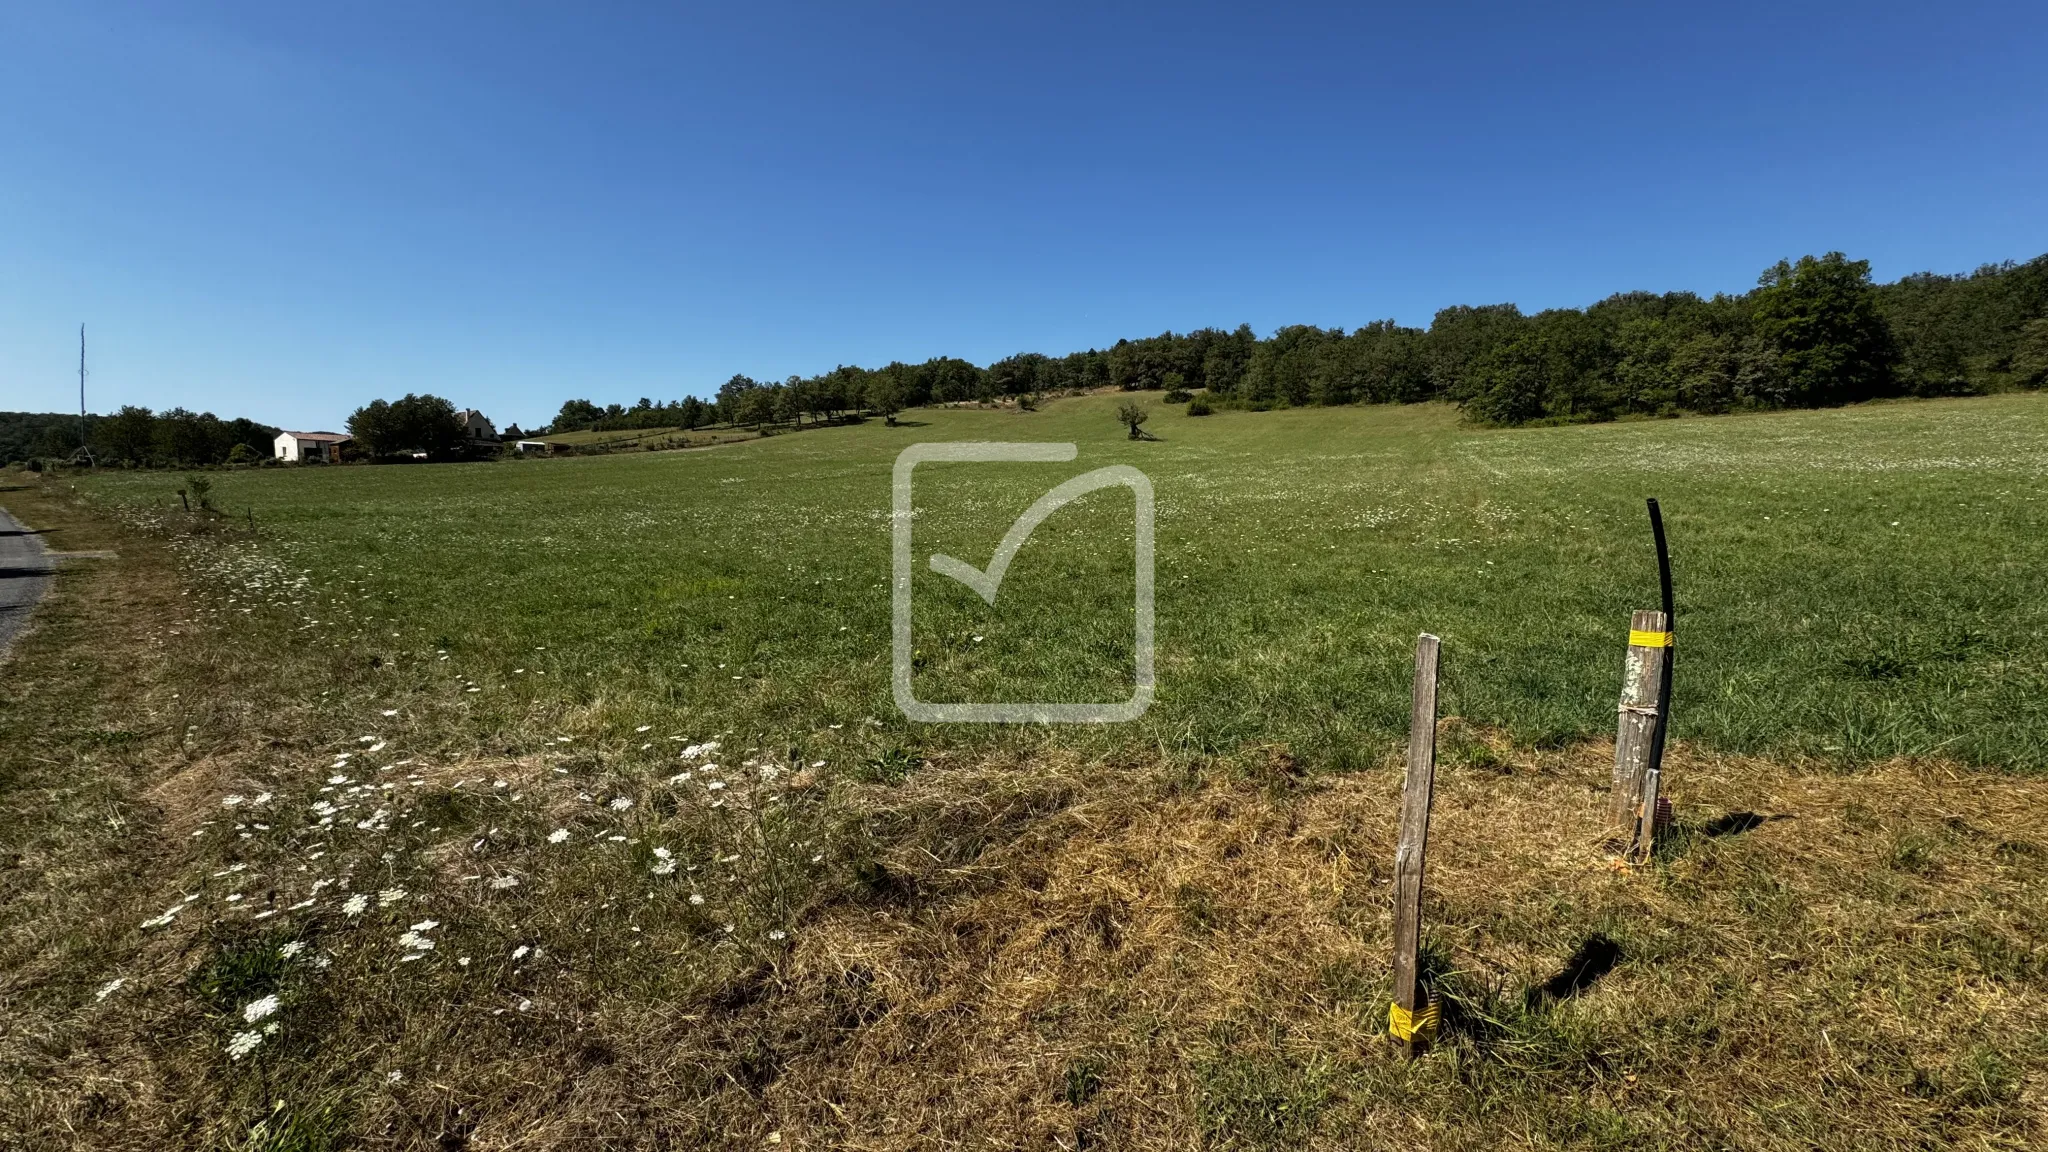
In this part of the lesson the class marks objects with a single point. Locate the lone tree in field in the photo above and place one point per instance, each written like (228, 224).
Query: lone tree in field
(1132, 415)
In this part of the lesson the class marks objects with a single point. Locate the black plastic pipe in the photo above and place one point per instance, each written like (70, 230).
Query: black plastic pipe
(1671, 631)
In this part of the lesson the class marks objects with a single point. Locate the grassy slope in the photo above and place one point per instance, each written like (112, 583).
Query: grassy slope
(1167, 935)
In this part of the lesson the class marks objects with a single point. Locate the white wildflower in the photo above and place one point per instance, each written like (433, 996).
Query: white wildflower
(558, 835)
(292, 948)
(621, 803)
(520, 952)
(502, 882)
(356, 905)
(243, 1043)
(390, 896)
(256, 1010)
(110, 987)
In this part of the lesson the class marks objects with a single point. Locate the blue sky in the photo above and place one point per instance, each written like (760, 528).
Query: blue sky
(283, 211)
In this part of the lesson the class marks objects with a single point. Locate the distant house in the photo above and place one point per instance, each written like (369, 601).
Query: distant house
(302, 446)
(477, 427)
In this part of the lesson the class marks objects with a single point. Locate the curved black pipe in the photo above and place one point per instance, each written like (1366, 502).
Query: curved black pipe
(1670, 629)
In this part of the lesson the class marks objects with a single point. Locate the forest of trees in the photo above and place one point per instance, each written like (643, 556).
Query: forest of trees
(136, 437)
(1812, 333)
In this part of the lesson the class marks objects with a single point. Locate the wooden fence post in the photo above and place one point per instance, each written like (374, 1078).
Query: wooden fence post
(1410, 1018)
(1649, 645)
(1646, 820)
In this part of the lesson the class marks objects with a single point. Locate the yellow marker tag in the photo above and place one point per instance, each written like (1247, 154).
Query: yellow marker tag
(1411, 1026)
(1638, 639)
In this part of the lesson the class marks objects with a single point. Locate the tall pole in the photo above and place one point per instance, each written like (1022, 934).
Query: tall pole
(81, 389)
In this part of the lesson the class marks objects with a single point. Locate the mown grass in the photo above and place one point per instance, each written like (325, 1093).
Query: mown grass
(864, 933)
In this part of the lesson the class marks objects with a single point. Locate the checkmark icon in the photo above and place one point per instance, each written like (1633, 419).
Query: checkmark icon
(987, 582)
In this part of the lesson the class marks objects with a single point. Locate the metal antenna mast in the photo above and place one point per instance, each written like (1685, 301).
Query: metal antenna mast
(84, 452)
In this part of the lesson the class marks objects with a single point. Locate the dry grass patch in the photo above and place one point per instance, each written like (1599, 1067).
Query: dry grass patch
(1816, 961)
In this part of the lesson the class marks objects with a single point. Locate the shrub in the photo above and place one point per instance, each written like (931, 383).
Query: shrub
(1199, 406)
(1179, 396)
(1131, 415)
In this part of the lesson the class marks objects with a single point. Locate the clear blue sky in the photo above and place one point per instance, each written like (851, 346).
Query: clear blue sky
(285, 210)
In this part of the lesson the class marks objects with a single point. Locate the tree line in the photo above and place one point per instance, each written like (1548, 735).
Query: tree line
(1813, 332)
(137, 437)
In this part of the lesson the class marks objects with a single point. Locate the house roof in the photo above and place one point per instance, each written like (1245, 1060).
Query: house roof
(318, 437)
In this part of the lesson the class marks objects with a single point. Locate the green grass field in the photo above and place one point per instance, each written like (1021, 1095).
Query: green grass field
(564, 803)
(1852, 585)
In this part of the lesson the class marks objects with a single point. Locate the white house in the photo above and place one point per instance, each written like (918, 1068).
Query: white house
(298, 446)
(476, 426)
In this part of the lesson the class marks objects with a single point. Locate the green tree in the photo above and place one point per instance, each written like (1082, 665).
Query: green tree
(2030, 356)
(577, 416)
(1821, 317)
(412, 423)
(128, 435)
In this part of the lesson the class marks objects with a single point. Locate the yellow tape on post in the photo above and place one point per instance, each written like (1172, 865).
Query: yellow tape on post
(1638, 639)
(1411, 1026)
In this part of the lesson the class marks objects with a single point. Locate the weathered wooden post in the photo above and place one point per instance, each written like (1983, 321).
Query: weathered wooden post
(1642, 678)
(1412, 1017)
(1646, 819)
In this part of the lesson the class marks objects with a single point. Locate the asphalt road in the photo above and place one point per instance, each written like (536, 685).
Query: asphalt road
(24, 574)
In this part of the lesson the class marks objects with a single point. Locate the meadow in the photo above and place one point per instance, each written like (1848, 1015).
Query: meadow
(554, 801)
(1852, 585)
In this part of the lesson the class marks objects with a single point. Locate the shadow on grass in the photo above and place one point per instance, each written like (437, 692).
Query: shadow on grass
(1595, 957)
(1736, 823)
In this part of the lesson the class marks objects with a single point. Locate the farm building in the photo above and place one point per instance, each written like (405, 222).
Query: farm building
(531, 447)
(301, 446)
(477, 427)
